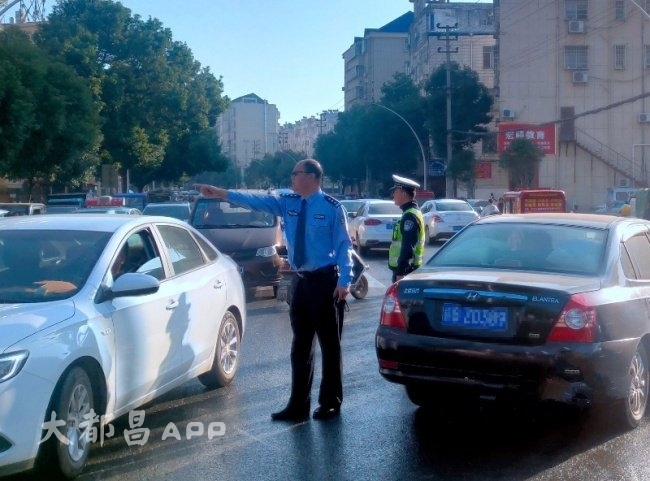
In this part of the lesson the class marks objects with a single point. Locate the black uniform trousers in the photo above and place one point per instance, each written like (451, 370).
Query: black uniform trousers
(313, 312)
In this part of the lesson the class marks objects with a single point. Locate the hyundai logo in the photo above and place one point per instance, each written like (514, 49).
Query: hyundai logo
(472, 296)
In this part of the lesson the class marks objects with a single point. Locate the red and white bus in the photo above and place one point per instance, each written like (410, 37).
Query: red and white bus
(534, 200)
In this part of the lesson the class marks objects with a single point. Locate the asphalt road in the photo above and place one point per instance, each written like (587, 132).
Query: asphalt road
(380, 435)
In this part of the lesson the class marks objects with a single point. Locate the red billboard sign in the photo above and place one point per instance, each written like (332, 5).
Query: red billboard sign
(484, 170)
(542, 135)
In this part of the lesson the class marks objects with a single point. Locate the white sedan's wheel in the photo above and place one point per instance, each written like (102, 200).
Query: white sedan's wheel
(226, 354)
(72, 404)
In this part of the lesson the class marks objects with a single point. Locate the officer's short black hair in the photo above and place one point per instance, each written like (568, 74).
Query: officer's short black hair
(312, 166)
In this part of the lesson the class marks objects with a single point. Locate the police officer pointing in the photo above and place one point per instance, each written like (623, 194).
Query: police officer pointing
(319, 249)
(406, 252)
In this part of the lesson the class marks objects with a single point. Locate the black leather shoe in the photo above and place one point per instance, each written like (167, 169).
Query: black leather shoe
(323, 413)
(291, 414)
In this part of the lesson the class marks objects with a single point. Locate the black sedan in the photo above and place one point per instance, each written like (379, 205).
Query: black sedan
(526, 307)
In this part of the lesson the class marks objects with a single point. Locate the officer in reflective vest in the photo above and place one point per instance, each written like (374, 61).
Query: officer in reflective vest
(406, 251)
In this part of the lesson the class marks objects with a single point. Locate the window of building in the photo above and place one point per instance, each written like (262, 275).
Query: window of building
(576, 9)
(489, 144)
(488, 57)
(619, 9)
(575, 57)
(358, 92)
(359, 46)
(359, 70)
(619, 57)
(646, 55)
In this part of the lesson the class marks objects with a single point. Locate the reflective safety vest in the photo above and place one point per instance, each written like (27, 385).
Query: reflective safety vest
(396, 244)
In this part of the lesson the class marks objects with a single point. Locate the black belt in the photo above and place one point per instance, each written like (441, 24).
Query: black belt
(320, 272)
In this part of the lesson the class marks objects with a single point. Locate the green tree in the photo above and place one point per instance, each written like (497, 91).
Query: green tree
(273, 170)
(157, 103)
(370, 142)
(48, 121)
(471, 104)
(521, 159)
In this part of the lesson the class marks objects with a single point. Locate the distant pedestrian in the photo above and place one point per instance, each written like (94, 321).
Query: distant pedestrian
(490, 209)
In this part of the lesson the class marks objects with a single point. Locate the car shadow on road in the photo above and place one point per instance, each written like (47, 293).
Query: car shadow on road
(484, 442)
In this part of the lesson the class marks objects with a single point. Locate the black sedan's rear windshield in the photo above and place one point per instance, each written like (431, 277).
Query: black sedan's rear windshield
(553, 248)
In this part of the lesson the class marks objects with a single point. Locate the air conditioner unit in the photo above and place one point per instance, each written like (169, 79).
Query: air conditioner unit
(508, 114)
(624, 183)
(576, 26)
(644, 118)
(580, 77)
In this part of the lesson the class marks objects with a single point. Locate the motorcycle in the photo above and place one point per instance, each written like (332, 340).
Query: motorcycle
(358, 286)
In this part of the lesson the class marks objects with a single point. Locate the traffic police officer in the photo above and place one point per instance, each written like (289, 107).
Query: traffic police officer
(322, 264)
(406, 252)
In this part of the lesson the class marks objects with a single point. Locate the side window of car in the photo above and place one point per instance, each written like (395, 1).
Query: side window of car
(638, 248)
(139, 254)
(209, 250)
(183, 250)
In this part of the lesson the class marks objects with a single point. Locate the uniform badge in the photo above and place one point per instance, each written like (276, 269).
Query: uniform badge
(408, 225)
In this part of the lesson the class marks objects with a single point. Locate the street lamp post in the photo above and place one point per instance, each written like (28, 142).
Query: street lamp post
(424, 157)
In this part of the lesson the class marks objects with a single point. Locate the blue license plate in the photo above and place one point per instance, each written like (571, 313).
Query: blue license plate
(390, 226)
(457, 227)
(485, 319)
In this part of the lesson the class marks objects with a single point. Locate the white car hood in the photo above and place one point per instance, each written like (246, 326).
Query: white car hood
(18, 321)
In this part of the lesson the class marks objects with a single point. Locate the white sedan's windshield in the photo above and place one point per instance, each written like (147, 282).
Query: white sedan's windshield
(38, 266)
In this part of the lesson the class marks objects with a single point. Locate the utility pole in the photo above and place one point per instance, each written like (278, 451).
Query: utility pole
(449, 190)
(321, 121)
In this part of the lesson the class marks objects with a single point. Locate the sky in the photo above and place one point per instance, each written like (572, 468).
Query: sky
(288, 52)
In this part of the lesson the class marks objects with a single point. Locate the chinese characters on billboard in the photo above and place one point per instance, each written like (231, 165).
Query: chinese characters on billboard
(542, 135)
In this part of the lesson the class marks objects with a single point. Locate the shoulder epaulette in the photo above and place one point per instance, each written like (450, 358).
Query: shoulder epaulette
(331, 200)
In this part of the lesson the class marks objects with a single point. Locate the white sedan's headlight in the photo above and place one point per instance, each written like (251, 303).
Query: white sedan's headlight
(11, 364)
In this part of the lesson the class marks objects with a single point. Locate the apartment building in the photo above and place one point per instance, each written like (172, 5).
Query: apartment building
(373, 60)
(301, 136)
(581, 68)
(248, 129)
(418, 43)
(471, 29)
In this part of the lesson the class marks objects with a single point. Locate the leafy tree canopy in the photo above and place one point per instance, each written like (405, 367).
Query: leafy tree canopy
(156, 101)
(48, 122)
(371, 142)
(521, 159)
(273, 170)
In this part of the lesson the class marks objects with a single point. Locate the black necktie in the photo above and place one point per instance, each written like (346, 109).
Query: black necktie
(299, 252)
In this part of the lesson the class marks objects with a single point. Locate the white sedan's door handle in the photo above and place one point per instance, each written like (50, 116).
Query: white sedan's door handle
(172, 305)
(218, 284)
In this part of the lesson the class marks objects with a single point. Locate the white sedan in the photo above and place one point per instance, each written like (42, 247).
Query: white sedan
(444, 217)
(372, 226)
(99, 315)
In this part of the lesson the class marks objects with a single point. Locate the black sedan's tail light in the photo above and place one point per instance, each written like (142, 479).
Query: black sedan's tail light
(576, 323)
(391, 314)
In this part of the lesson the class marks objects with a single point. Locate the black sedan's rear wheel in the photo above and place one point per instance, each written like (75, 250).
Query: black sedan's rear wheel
(634, 407)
